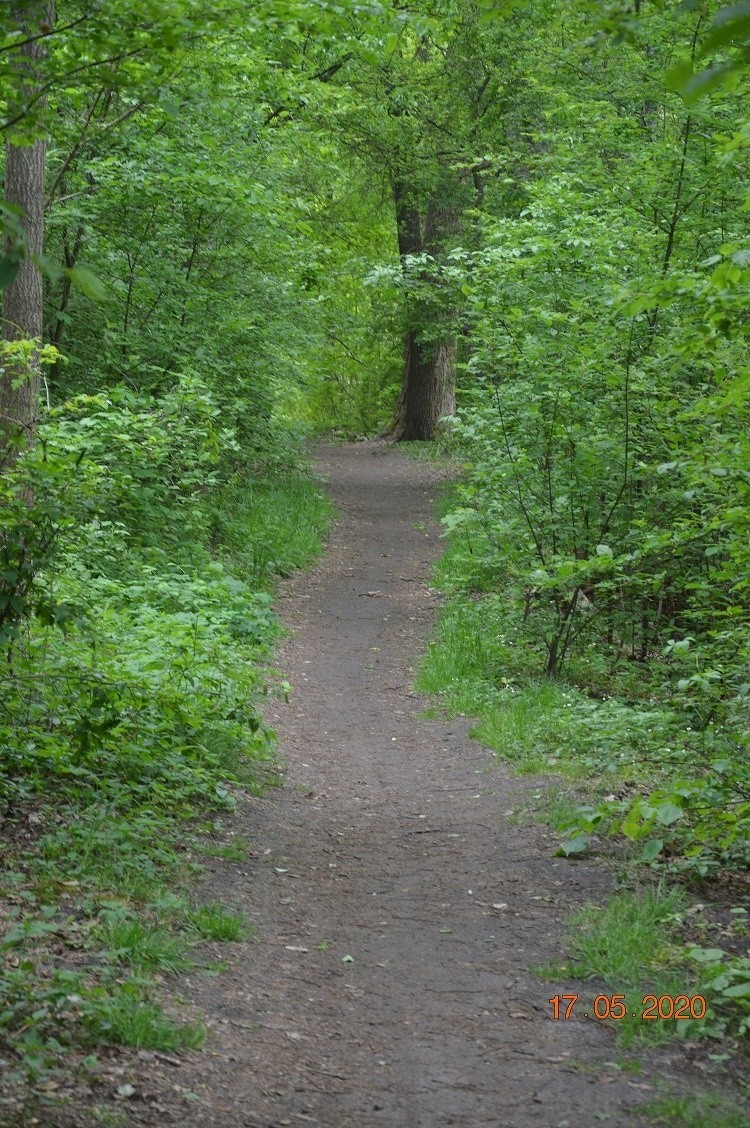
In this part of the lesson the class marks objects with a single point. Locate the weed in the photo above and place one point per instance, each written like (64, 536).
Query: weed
(142, 945)
(127, 1018)
(112, 1118)
(234, 851)
(611, 943)
(627, 946)
(704, 1111)
(215, 922)
(272, 526)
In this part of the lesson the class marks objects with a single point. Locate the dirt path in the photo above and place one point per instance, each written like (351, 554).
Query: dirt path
(398, 907)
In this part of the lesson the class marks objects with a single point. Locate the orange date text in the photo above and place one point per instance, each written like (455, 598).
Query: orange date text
(651, 1007)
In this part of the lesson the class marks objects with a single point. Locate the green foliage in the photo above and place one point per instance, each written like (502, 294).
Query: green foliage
(126, 1018)
(130, 697)
(139, 944)
(271, 526)
(215, 922)
(629, 948)
(726, 980)
(601, 531)
(703, 823)
(47, 1013)
(609, 944)
(703, 1111)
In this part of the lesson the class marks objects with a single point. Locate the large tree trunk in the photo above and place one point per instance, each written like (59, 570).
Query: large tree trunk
(22, 308)
(428, 390)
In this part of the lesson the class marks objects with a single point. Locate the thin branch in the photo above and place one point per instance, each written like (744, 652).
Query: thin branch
(73, 152)
(42, 91)
(16, 46)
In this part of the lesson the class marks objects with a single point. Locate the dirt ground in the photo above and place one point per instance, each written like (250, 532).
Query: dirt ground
(399, 908)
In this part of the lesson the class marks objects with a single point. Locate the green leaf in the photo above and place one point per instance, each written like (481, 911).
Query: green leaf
(637, 821)
(88, 282)
(706, 955)
(693, 85)
(731, 27)
(575, 845)
(682, 646)
(738, 991)
(668, 813)
(651, 850)
(9, 265)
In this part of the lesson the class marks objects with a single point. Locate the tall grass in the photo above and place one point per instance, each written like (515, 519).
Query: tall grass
(271, 527)
(474, 666)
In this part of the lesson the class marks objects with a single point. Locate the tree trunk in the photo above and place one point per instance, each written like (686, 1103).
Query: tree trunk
(428, 390)
(22, 301)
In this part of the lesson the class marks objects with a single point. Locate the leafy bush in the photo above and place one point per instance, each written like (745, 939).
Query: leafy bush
(139, 556)
(601, 531)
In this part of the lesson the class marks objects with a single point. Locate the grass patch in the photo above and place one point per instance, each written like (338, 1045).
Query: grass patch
(523, 726)
(612, 943)
(235, 851)
(473, 665)
(215, 922)
(629, 947)
(704, 1111)
(142, 945)
(471, 657)
(127, 1019)
(272, 527)
(435, 450)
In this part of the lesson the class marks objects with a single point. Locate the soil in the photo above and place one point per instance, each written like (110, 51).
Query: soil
(400, 906)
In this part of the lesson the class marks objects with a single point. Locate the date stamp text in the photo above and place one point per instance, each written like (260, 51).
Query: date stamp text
(651, 1008)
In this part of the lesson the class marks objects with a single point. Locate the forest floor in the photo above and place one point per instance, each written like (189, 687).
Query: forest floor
(399, 905)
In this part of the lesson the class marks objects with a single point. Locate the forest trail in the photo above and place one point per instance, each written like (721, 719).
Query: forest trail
(398, 906)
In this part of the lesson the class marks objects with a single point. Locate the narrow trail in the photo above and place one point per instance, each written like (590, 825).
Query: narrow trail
(397, 904)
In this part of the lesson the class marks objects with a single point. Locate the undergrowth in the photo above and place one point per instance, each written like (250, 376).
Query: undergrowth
(637, 772)
(130, 721)
(704, 1111)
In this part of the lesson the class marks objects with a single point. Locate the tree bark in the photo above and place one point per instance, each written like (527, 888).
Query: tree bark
(428, 390)
(22, 305)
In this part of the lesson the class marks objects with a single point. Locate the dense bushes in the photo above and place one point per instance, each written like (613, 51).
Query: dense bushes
(139, 553)
(138, 636)
(143, 527)
(604, 425)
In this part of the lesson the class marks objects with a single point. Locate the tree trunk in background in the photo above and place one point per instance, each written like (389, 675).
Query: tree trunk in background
(22, 300)
(428, 391)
